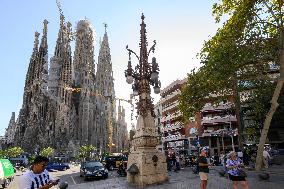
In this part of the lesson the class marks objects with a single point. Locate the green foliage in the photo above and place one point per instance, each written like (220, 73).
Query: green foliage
(31, 158)
(240, 50)
(13, 152)
(2, 153)
(47, 152)
(85, 152)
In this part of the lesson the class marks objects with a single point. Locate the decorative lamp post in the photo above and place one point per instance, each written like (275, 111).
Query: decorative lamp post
(146, 165)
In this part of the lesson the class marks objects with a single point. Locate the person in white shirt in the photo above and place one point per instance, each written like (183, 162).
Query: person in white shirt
(38, 177)
(240, 155)
(266, 157)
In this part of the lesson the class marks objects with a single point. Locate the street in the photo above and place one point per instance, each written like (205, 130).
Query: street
(182, 179)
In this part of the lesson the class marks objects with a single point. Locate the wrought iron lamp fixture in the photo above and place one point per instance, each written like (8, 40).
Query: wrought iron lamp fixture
(144, 74)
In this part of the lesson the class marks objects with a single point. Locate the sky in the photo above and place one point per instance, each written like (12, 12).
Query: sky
(180, 28)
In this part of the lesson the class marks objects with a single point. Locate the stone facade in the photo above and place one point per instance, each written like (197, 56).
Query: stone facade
(10, 131)
(151, 163)
(121, 134)
(68, 104)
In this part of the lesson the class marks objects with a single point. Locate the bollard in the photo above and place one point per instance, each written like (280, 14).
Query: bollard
(63, 185)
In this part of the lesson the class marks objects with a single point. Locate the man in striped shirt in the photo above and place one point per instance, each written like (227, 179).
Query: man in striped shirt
(37, 177)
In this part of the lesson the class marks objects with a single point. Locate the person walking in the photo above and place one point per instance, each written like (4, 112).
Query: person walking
(169, 166)
(174, 160)
(38, 177)
(236, 174)
(177, 162)
(240, 155)
(222, 158)
(203, 168)
(266, 158)
(246, 157)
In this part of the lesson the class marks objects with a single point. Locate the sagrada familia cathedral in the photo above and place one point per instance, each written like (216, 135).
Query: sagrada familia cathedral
(69, 102)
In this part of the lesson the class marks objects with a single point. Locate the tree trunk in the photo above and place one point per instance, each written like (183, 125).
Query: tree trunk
(274, 105)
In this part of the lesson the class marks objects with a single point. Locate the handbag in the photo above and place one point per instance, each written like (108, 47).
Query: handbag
(242, 173)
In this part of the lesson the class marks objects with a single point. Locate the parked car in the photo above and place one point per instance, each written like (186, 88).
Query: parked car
(278, 157)
(6, 172)
(57, 166)
(113, 162)
(93, 169)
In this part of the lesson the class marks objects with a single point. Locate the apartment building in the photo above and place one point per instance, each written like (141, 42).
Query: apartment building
(218, 128)
(173, 130)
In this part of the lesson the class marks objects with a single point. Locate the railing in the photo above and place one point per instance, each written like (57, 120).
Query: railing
(170, 117)
(170, 96)
(218, 119)
(171, 106)
(173, 138)
(172, 127)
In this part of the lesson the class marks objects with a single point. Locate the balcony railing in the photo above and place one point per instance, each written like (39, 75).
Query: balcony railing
(218, 119)
(171, 106)
(220, 132)
(172, 127)
(171, 117)
(173, 138)
(170, 96)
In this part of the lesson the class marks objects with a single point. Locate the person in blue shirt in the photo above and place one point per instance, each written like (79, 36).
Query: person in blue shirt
(234, 166)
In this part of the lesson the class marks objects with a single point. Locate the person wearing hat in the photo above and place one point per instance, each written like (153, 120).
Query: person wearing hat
(266, 157)
(234, 166)
(38, 177)
(203, 168)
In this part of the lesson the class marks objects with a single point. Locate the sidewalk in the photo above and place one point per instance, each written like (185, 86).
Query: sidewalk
(185, 179)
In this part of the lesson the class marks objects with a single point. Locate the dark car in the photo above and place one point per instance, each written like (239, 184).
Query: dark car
(112, 162)
(57, 166)
(278, 157)
(93, 169)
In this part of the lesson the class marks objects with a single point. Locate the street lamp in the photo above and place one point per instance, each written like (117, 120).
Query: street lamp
(230, 129)
(198, 148)
(144, 74)
(144, 158)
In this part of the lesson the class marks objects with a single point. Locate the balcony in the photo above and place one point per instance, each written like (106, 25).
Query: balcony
(170, 107)
(170, 96)
(173, 138)
(173, 127)
(218, 119)
(170, 117)
(220, 133)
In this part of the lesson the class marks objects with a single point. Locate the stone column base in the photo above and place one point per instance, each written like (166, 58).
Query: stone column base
(150, 172)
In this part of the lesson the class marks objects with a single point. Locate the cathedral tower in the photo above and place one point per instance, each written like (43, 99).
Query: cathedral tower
(84, 72)
(106, 95)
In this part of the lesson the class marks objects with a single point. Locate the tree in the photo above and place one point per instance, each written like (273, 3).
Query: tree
(268, 22)
(47, 152)
(85, 152)
(253, 35)
(13, 152)
(2, 153)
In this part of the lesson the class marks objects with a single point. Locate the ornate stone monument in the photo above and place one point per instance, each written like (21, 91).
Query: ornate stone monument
(146, 165)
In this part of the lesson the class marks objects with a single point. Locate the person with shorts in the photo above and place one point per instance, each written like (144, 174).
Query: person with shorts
(203, 168)
(234, 166)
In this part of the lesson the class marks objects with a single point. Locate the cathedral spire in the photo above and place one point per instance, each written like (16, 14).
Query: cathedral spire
(60, 38)
(33, 59)
(41, 65)
(43, 43)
